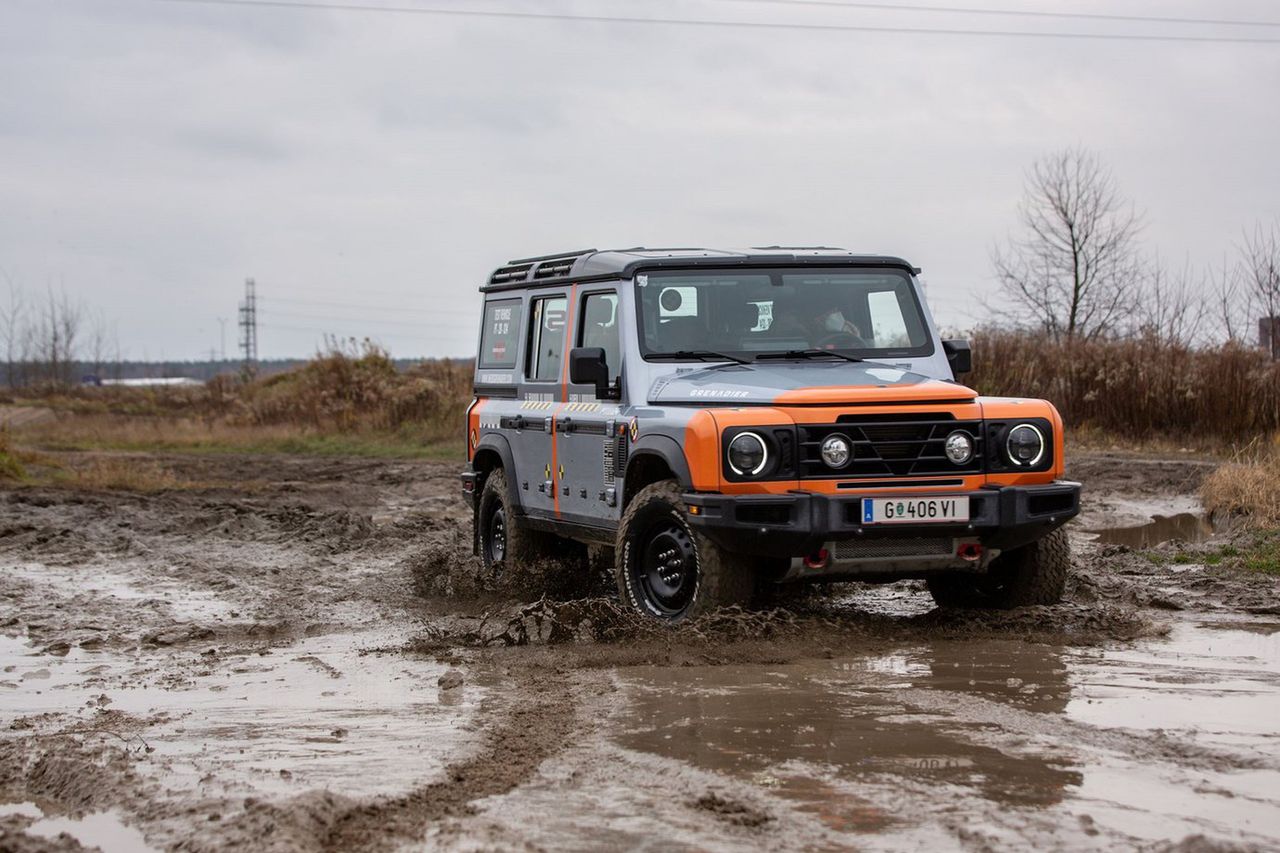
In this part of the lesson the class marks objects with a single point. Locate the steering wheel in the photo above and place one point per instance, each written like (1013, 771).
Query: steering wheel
(841, 340)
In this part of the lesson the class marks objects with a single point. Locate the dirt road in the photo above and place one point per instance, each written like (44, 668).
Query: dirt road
(295, 654)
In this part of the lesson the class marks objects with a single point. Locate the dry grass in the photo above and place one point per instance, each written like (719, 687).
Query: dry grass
(189, 435)
(1164, 397)
(11, 468)
(1138, 389)
(342, 403)
(121, 474)
(1246, 489)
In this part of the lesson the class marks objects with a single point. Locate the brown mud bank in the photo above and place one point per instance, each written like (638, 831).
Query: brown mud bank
(313, 661)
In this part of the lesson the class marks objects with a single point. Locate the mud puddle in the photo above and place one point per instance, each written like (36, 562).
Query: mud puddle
(103, 830)
(315, 713)
(1186, 527)
(1155, 741)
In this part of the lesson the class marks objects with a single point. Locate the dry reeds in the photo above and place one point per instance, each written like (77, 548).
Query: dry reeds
(10, 465)
(1247, 489)
(1137, 389)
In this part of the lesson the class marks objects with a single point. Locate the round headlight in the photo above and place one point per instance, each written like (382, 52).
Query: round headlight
(836, 451)
(747, 454)
(1025, 445)
(959, 447)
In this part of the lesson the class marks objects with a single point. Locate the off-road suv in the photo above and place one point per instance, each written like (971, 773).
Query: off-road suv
(729, 420)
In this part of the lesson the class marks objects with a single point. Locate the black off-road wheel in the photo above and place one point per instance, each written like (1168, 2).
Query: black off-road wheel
(1032, 574)
(668, 570)
(504, 537)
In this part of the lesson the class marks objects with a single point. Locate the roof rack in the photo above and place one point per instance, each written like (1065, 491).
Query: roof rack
(558, 265)
(805, 248)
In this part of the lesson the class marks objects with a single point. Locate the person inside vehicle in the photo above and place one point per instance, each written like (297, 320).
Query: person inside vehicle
(830, 329)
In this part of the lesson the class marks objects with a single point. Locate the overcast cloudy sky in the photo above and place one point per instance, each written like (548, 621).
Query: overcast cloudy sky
(370, 169)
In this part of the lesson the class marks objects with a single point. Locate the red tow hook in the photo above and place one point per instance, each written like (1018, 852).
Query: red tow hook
(971, 551)
(818, 559)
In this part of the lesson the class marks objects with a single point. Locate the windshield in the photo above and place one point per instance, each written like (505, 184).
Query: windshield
(866, 313)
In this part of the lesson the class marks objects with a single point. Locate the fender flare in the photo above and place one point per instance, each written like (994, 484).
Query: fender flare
(668, 450)
(499, 444)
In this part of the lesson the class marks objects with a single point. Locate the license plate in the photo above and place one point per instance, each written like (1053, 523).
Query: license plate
(914, 510)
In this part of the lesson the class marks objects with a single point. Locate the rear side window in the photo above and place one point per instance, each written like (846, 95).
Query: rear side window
(599, 328)
(501, 333)
(546, 338)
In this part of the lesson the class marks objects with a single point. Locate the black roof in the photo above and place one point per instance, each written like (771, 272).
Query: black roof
(601, 265)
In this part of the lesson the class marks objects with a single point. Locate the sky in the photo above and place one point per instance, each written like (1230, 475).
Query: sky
(369, 170)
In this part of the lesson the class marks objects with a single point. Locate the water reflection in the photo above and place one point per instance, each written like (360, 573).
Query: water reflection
(1183, 527)
(808, 727)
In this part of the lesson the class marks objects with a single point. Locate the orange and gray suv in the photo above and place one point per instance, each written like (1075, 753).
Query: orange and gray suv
(718, 420)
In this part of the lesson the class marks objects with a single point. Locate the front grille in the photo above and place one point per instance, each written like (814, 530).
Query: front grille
(890, 446)
(875, 549)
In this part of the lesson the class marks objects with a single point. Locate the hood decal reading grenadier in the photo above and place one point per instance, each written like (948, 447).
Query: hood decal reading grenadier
(800, 383)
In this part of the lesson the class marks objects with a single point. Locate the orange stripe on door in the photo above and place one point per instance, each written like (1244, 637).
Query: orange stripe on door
(570, 324)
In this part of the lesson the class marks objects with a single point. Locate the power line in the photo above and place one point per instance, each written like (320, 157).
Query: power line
(308, 292)
(1019, 13)
(331, 331)
(367, 307)
(742, 25)
(302, 315)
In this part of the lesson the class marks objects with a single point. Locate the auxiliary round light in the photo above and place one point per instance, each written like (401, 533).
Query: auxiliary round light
(959, 447)
(837, 450)
(1025, 445)
(748, 454)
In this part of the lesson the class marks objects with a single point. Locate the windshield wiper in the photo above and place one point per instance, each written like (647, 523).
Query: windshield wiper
(808, 353)
(699, 355)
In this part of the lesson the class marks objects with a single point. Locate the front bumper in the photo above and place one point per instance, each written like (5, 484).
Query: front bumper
(800, 523)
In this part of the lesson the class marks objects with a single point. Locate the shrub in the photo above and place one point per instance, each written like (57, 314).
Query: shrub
(10, 466)
(1138, 389)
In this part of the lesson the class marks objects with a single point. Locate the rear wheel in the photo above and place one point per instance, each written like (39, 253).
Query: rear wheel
(1032, 574)
(665, 568)
(505, 538)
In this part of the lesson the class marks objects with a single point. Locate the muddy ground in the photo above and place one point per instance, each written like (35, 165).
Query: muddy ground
(298, 654)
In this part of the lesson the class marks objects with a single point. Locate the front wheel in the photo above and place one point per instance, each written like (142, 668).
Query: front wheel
(667, 569)
(1032, 574)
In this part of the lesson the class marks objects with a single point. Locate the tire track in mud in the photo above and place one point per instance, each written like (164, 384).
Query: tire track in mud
(529, 717)
(540, 719)
(1021, 725)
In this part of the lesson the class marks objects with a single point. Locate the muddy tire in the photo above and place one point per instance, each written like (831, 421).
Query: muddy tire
(1032, 574)
(503, 535)
(668, 570)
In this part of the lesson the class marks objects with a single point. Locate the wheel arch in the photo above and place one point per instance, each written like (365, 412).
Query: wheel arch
(652, 459)
(493, 452)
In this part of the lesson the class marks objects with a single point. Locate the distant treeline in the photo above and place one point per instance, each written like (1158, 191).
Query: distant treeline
(1137, 388)
(83, 372)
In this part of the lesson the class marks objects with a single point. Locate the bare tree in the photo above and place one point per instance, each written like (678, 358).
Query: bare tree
(1228, 300)
(13, 335)
(1075, 269)
(1260, 258)
(1172, 306)
(53, 338)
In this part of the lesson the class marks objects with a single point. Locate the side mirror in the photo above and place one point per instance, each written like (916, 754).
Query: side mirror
(588, 366)
(959, 356)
